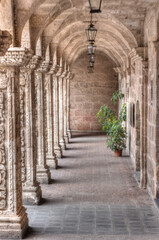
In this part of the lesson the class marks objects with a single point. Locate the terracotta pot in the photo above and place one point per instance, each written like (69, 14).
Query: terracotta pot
(118, 153)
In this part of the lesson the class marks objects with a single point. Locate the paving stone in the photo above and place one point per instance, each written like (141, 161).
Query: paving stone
(111, 212)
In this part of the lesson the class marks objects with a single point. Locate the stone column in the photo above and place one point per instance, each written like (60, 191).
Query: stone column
(68, 106)
(65, 109)
(43, 172)
(31, 189)
(57, 147)
(51, 159)
(61, 111)
(13, 217)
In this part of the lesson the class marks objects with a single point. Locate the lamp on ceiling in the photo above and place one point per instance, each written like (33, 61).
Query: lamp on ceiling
(91, 32)
(95, 6)
(91, 49)
(92, 58)
(91, 64)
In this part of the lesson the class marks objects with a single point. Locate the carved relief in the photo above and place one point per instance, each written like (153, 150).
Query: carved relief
(3, 171)
(22, 126)
(3, 79)
(46, 113)
(36, 83)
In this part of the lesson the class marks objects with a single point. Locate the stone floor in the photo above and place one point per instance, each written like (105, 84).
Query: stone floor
(93, 195)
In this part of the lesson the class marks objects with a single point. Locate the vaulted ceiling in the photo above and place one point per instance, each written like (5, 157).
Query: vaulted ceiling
(62, 24)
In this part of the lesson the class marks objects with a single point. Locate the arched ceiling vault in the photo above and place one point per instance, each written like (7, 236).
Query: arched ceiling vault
(63, 22)
(107, 40)
(103, 44)
(80, 50)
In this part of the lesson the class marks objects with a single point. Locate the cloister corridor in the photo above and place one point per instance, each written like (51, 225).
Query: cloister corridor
(79, 112)
(93, 195)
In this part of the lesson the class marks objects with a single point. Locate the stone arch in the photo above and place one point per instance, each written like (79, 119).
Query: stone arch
(38, 50)
(47, 53)
(82, 49)
(25, 40)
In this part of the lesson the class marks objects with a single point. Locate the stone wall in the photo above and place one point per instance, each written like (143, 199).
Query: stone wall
(151, 40)
(89, 91)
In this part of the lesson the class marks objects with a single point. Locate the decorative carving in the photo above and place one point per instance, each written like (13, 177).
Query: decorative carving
(45, 113)
(16, 57)
(22, 125)
(35, 104)
(3, 171)
(3, 79)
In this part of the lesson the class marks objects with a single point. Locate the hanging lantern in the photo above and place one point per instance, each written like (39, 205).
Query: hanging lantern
(91, 64)
(91, 33)
(92, 58)
(95, 6)
(91, 49)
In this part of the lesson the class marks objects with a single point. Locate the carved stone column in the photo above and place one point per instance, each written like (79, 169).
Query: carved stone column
(43, 172)
(13, 217)
(31, 189)
(61, 111)
(57, 147)
(68, 105)
(66, 137)
(51, 159)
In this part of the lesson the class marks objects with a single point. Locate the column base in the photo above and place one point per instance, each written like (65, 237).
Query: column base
(66, 137)
(32, 195)
(13, 226)
(52, 161)
(43, 175)
(63, 144)
(69, 133)
(58, 151)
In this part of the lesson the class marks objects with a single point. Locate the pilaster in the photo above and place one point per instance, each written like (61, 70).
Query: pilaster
(51, 158)
(43, 171)
(61, 76)
(69, 77)
(66, 137)
(57, 147)
(13, 217)
(31, 189)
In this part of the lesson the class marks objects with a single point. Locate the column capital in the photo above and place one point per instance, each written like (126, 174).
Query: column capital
(16, 57)
(44, 67)
(70, 75)
(140, 53)
(59, 71)
(34, 63)
(54, 69)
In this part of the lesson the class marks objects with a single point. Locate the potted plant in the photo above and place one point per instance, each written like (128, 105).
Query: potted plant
(114, 125)
(116, 140)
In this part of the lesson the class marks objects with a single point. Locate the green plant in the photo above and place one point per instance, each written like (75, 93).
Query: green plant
(117, 136)
(105, 117)
(112, 124)
(116, 96)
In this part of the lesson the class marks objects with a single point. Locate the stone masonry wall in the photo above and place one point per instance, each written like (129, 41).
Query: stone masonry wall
(89, 91)
(151, 39)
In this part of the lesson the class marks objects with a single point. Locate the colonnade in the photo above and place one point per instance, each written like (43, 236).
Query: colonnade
(34, 130)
